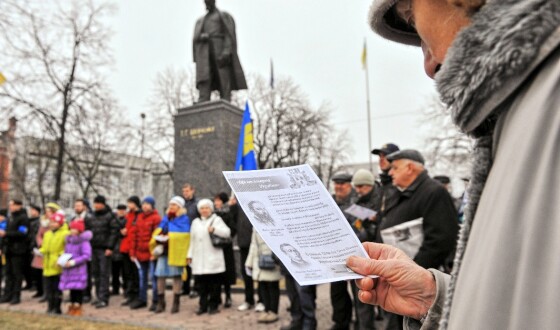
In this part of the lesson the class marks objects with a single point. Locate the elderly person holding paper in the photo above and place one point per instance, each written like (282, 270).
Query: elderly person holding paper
(496, 65)
(206, 260)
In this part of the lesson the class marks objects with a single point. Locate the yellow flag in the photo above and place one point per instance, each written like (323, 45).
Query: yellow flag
(364, 56)
(2, 78)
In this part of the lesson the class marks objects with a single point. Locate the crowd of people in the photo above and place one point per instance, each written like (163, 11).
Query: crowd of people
(99, 252)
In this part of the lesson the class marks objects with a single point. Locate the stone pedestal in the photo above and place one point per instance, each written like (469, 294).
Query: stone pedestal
(206, 138)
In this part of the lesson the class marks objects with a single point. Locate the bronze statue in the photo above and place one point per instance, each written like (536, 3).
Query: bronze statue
(215, 54)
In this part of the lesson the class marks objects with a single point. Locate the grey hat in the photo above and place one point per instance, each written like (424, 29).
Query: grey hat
(384, 21)
(363, 178)
(342, 177)
(409, 154)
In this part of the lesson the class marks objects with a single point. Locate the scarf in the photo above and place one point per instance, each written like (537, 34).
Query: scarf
(487, 62)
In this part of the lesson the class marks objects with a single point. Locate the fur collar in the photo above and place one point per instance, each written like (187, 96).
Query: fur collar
(493, 56)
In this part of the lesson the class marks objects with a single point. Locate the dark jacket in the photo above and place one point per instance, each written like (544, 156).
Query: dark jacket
(16, 240)
(426, 198)
(372, 201)
(104, 227)
(117, 249)
(244, 226)
(192, 208)
(34, 224)
(141, 234)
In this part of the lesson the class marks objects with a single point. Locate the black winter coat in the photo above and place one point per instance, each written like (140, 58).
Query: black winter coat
(34, 224)
(426, 198)
(244, 226)
(105, 229)
(372, 201)
(16, 240)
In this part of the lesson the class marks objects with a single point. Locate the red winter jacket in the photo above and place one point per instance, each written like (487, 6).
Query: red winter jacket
(131, 218)
(141, 234)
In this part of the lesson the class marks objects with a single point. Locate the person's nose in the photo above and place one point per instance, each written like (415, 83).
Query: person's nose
(430, 63)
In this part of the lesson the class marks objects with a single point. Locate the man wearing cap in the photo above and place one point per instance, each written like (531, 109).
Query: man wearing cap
(389, 193)
(341, 302)
(130, 271)
(496, 66)
(105, 229)
(117, 268)
(424, 207)
(16, 247)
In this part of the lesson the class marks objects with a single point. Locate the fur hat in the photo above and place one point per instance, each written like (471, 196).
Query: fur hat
(384, 21)
(205, 202)
(58, 217)
(178, 201)
(78, 224)
(363, 178)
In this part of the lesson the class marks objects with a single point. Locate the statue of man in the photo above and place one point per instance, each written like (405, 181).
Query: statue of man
(215, 54)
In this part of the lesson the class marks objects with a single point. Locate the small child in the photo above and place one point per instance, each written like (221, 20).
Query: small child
(74, 276)
(52, 249)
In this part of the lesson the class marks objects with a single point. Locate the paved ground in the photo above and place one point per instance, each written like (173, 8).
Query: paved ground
(186, 318)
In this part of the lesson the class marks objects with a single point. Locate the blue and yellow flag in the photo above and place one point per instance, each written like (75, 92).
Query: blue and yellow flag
(246, 160)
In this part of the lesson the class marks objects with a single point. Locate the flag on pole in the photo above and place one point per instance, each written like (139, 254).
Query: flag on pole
(271, 75)
(2, 78)
(364, 56)
(246, 160)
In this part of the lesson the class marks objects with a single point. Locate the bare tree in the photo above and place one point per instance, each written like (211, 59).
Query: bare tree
(57, 54)
(173, 89)
(447, 149)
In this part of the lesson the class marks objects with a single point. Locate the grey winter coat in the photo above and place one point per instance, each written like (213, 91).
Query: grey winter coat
(502, 79)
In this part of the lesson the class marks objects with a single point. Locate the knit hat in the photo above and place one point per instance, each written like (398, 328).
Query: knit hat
(53, 206)
(363, 178)
(100, 199)
(149, 200)
(78, 224)
(178, 201)
(121, 207)
(4, 212)
(205, 202)
(135, 200)
(58, 217)
(385, 21)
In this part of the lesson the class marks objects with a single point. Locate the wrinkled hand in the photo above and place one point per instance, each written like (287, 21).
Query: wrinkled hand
(403, 287)
(123, 231)
(108, 253)
(210, 229)
(133, 259)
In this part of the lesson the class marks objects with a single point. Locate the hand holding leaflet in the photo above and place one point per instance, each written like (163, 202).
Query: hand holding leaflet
(299, 220)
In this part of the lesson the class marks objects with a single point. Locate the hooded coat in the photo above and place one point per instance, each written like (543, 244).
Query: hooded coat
(501, 81)
(141, 234)
(53, 247)
(75, 278)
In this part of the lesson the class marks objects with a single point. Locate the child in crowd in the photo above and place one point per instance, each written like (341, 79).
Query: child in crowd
(74, 276)
(52, 249)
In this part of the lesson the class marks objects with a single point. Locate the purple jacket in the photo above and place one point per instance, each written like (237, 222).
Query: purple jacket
(75, 278)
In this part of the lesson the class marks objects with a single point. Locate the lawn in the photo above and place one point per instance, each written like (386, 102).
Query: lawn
(23, 321)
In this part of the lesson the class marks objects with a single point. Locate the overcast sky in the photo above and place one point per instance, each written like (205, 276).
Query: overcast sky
(317, 43)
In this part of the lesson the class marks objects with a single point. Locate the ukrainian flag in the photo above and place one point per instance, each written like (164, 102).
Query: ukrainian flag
(246, 160)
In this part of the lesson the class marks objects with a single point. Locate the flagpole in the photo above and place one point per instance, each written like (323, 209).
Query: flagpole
(368, 107)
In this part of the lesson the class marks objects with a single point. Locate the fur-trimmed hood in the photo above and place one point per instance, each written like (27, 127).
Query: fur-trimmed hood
(490, 58)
